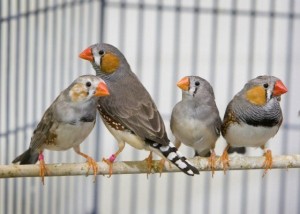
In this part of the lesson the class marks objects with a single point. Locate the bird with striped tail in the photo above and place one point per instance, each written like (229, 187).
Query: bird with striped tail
(129, 113)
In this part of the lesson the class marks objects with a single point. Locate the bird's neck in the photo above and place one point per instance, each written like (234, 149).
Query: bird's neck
(115, 76)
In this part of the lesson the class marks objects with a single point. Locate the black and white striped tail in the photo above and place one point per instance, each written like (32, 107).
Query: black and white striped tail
(172, 154)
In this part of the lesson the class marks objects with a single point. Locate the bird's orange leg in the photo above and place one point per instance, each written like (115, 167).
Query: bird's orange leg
(43, 169)
(268, 161)
(161, 166)
(91, 164)
(112, 158)
(212, 162)
(149, 163)
(224, 159)
(90, 161)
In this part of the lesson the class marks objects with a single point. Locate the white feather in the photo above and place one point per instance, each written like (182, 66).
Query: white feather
(250, 136)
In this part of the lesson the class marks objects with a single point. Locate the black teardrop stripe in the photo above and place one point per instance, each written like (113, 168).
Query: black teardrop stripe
(189, 169)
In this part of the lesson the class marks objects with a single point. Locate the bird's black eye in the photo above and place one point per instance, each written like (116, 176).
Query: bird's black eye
(266, 85)
(101, 52)
(197, 83)
(88, 84)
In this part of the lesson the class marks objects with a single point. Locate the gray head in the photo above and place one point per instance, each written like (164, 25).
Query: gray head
(106, 59)
(86, 87)
(262, 89)
(195, 86)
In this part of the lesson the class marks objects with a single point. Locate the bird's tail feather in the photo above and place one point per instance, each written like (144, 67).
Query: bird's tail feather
(172, 154)
(28, 157)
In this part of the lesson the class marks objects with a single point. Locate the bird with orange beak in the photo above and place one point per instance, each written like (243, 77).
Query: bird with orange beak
(129, 113)
(67, 122)
(254, 116)
(195, 120)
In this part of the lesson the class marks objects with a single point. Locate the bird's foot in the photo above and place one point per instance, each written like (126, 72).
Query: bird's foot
(92, 164)
(149, 163)
(268, 161)
(161, 166)
(110, 162)
(43, 169)
(225, 161)
(212, 163)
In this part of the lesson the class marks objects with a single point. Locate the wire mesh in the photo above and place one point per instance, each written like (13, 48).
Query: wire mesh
(225, 42)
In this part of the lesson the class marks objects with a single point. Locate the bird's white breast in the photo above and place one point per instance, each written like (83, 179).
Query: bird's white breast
(195, 134)
(69, 135)
(127, 137)
(239, 135)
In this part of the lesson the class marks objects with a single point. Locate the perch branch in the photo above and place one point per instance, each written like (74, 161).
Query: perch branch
(237, 162)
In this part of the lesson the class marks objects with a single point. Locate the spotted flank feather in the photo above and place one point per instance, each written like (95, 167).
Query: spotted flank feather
(173, 155)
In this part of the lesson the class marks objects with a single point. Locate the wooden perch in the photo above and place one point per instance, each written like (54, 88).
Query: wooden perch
(237, 162)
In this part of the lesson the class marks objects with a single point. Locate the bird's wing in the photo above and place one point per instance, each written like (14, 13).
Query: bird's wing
(229, 118)
(45, 130)
(217, 125)
(137, 112)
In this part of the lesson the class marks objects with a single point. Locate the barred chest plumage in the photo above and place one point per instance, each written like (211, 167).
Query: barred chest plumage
(110, 121)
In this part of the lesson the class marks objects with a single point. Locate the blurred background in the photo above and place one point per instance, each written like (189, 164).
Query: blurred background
(226, 42)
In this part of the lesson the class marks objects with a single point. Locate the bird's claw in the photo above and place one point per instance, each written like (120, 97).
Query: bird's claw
(225, 161)
(109, 162)
(149, 164)
(161, 166)
(268, 161)
(212, 163)
(92, 164)
(43, 169)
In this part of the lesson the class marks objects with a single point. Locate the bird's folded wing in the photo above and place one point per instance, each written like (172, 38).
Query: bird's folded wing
(139, 114)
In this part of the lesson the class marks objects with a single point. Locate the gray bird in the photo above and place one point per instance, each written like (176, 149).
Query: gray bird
(195, 120)
(67, 122)
(254, 116)
(129, 113)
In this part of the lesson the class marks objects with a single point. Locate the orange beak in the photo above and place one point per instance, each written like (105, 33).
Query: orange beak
(184, 83)
(101, 90)
(279, 88)
(87, 55)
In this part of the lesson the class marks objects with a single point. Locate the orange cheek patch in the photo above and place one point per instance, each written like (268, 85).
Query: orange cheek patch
(78, 92)
(256, 95)
(110, 63)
